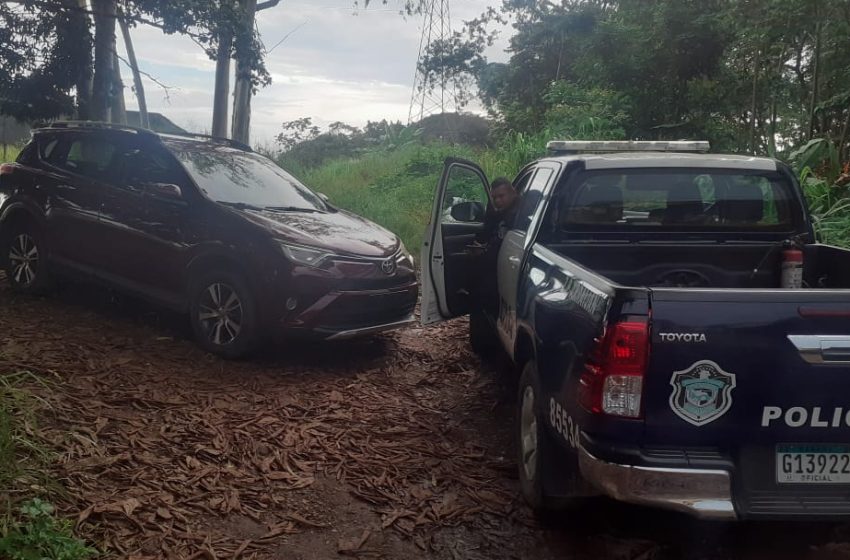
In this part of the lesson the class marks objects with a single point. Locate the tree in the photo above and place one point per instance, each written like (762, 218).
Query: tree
(296, 132)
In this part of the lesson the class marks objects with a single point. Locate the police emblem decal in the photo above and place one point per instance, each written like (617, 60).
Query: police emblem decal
(702, 393)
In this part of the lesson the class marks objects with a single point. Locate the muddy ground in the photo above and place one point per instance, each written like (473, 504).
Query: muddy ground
(393, 447)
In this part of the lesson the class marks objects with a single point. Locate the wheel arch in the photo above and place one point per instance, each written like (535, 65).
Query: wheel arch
(19, 212)
(220, 258)
(212, 260)
(525, 349)
(15, 214)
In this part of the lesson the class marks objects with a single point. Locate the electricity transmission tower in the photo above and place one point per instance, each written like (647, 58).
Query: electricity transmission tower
(432, 93)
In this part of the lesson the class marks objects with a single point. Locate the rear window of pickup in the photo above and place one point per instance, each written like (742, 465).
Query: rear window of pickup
(676, 199)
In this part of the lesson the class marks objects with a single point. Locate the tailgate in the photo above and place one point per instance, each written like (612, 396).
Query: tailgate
(761, 378)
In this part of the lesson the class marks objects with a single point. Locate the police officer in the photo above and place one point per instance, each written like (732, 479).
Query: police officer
(505, 201)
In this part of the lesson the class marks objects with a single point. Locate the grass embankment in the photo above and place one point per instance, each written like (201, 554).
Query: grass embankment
(28, 526)
(8, 153)
(395, 188)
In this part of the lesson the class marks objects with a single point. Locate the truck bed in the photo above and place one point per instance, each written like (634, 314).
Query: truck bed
(704, 265)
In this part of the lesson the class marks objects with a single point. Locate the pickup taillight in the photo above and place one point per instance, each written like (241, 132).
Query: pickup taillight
(612, 382)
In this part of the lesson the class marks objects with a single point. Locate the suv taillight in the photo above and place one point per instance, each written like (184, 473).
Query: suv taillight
(612, 382)
(7, 168)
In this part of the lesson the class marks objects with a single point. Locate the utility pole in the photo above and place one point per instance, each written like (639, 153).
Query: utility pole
(432, 95)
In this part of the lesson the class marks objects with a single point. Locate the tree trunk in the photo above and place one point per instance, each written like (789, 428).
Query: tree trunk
(222, 83)
(104, 58)
(144, 121)
(119, 111)
(754, 107)
(815, 78)
(85, 72)
(842, 142)
(241, 126)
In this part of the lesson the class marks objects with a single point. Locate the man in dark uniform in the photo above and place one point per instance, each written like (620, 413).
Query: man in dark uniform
(497, 223)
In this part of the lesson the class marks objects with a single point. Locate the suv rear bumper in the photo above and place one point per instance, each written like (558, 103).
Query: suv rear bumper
(705, 493)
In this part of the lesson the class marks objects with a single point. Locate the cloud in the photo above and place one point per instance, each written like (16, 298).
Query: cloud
(335, 65)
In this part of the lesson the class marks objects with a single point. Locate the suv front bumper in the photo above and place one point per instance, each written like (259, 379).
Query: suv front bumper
(705, 493)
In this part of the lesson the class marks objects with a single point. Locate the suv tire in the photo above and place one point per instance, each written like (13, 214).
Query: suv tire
(24, 251)
(223, 313)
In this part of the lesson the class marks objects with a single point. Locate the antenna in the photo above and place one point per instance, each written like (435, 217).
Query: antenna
(432, 94)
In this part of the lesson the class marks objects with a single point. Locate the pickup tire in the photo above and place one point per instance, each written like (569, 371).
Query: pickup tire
(482, 337)
(534, 446)
(548, 475)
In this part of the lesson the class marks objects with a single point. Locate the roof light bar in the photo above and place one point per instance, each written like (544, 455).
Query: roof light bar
(580, 146)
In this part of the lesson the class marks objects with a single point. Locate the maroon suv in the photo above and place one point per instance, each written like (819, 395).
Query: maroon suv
(204, 226)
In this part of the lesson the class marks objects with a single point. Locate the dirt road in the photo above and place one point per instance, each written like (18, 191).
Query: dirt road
(396, 447)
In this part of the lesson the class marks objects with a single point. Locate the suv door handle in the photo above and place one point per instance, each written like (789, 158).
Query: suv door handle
(514, 260)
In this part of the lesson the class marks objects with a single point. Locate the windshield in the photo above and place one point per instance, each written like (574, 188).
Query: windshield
(677, 200)
(243, 178)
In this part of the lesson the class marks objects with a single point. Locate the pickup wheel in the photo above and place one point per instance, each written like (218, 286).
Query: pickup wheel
(537, 453)
(482, 337)
(25, 254)
(223, 314)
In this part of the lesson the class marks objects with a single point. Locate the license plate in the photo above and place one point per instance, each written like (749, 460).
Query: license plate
(813, 464)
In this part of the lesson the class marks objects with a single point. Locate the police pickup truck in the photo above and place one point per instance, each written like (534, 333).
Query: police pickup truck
(683, 340)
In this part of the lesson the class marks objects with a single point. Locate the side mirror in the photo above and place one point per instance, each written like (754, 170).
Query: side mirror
(164, 191)
(469, 212)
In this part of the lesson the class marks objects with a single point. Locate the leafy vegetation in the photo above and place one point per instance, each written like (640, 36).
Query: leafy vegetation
(394, 186)
(765, 77)
(8, 153)
(40, 535)
(827, 188)
(30, 529)
(761, 77)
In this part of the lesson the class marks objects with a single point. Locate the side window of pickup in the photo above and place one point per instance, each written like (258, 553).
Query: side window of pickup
(530, 198)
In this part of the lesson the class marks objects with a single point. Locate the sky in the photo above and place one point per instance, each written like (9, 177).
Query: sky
(336, 63)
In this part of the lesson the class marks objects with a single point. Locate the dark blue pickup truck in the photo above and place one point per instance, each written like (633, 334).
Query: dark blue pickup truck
(666, 356)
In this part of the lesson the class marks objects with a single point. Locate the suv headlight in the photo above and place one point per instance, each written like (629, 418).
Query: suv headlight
(308, 256)
(405, 254)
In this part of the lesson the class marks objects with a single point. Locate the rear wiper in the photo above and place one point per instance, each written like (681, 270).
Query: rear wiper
(291, 209)
(241, 205)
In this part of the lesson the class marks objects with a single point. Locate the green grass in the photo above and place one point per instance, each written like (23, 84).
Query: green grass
(28, 526)
(11, 152)
(392, 188)
(395, 187)
(39, 534)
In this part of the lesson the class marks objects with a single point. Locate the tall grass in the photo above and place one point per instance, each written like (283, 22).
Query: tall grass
(22, 457)
(28, 526)
(394, 187)
(8, 153)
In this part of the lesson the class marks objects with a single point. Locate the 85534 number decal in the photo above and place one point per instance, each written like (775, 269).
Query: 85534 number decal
(563, 423)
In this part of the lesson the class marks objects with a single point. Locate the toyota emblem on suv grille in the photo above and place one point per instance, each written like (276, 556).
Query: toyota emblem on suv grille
(388, 266)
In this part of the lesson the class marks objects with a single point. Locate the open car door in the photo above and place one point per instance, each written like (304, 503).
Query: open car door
(448, 265)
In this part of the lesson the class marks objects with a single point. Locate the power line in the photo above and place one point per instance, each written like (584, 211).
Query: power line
(432, 93)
